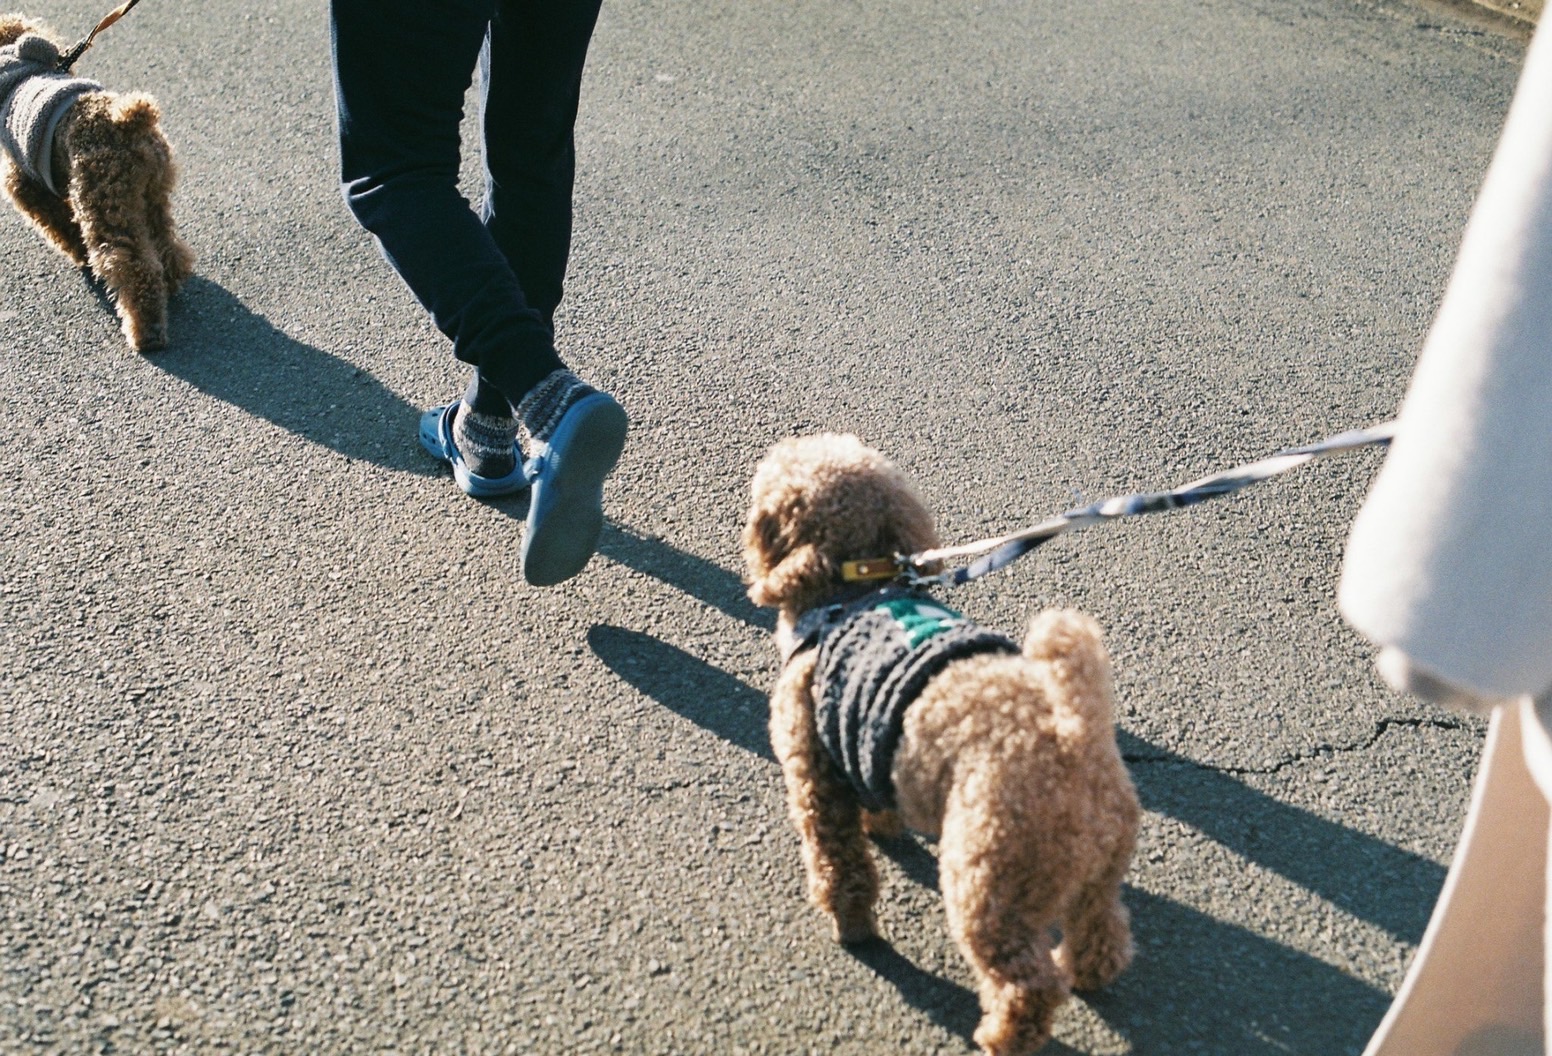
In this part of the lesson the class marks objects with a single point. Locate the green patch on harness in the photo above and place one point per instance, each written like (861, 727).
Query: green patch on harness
(919, 619)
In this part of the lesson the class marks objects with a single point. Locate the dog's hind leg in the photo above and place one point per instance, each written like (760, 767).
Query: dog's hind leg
(49, 213)
(1097, 934)
(1000, 912)
(113, 184)
(177, 257)
(842, 879)
(120, 249)
(124, 258)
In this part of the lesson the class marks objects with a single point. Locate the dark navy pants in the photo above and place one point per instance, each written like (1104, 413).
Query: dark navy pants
(491, 280)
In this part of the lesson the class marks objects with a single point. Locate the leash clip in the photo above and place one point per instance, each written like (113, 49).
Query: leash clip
(918, 580)
(71, 57)
(907, 568)
(68, 60)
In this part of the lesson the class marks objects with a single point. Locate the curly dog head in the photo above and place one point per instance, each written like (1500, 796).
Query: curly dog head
(818, 502)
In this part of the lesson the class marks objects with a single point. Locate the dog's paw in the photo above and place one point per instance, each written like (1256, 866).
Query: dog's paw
(854, 928)
(883, 824)
(1017, 1022)
(151, 343)
(145, 337)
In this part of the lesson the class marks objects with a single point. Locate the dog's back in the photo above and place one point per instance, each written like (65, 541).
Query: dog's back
(1011, 762)
(1038, 726)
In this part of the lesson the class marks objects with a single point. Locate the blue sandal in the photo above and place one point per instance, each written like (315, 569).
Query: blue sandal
(566, 513)
(436, 436)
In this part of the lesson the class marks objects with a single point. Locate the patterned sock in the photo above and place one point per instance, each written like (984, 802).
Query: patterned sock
(547, 403)
(485, 441)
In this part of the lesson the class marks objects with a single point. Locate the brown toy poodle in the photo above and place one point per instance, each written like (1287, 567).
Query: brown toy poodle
(891, 708)
(94, 173)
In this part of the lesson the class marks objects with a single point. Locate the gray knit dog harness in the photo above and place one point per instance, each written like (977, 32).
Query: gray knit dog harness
(35, 96)
(875, 655)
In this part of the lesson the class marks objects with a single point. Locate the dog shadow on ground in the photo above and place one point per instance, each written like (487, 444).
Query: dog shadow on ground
(1199, 983)
(228, 351)
(1384, 885)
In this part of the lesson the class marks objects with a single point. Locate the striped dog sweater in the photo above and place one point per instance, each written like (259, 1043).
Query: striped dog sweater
(34, 98)
(875, 656)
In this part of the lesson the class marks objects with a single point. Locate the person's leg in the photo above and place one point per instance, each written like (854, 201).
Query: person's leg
(531, 78)
(401, 73)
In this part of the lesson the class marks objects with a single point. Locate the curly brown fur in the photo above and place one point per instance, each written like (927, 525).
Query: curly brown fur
(115, 218)
(1009, 760)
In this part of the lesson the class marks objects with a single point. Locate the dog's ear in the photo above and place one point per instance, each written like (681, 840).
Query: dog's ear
(759, 541)
(803, 570)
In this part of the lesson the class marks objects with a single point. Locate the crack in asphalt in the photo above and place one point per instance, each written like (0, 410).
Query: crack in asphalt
(1381, 728)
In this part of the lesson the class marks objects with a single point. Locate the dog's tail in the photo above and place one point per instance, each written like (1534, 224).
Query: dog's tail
(1071, 648)
(135, 112)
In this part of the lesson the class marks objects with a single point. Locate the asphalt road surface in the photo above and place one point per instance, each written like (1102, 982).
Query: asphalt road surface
(291, 760)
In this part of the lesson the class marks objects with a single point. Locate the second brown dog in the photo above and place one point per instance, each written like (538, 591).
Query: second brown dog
(111, 168)
(1006, 755)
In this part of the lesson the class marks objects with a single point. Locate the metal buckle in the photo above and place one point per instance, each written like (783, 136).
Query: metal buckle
(870, 568)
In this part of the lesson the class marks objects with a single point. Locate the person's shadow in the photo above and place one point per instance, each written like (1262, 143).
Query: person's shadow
(701, 692)
(706, 581)
(228, 351)
(1374, 881)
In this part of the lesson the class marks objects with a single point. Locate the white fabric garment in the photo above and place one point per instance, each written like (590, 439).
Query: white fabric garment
(1475, 986)
(1450, 560)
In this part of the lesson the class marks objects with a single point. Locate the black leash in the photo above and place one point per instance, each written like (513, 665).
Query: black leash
(1009, 548)
(69, 58)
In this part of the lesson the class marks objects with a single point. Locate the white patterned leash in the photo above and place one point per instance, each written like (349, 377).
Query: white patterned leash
(1006, 549)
